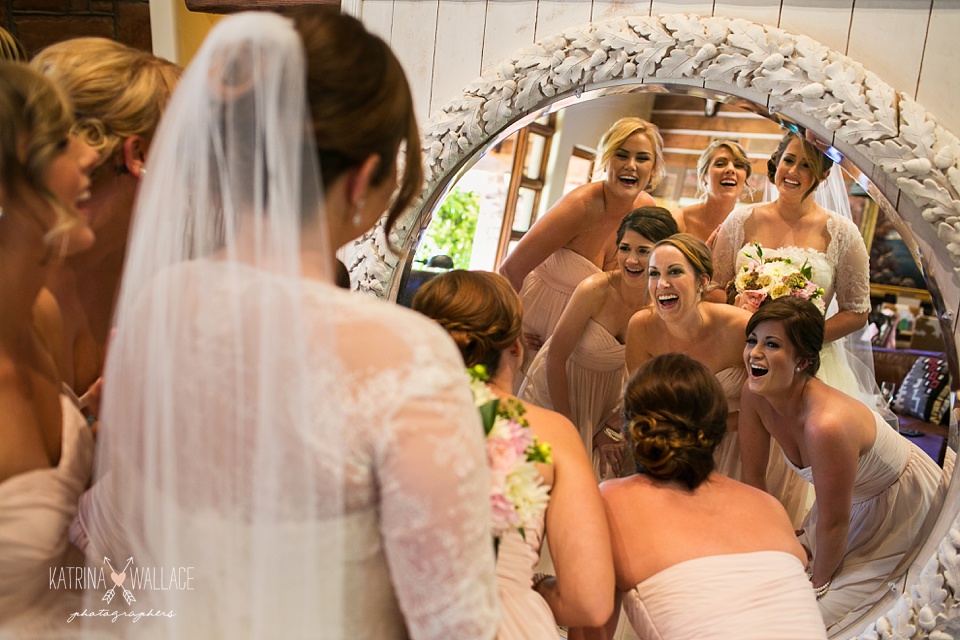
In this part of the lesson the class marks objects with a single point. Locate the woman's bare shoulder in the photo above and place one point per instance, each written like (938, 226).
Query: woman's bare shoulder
(584, 199)
(551, 426)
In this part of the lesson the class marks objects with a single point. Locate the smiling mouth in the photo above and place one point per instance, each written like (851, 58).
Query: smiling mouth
(790, 183)
(634, 271)
(630, 181)
(728, 183)
(84, 198)
(668, 300)
(758, 371)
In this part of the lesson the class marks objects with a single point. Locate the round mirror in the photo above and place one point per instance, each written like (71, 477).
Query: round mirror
(894, 150)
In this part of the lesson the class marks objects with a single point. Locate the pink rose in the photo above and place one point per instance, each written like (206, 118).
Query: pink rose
(750, 300)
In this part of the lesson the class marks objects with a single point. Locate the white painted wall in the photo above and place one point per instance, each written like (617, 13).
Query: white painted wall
(444, 44)
(584, 125)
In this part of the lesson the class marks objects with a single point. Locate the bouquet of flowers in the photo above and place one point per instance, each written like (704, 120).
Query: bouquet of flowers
(517, 495)
(774, 278)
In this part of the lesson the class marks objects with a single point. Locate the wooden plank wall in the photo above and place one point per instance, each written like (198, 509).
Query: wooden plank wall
(445, 44)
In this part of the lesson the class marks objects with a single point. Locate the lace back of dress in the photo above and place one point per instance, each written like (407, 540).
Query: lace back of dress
(220, 462)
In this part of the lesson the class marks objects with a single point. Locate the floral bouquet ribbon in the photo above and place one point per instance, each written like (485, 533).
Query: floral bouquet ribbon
(518, 496)
(774, 278)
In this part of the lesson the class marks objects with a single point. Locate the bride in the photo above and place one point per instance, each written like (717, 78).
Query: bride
(312, 456)
(794, 226)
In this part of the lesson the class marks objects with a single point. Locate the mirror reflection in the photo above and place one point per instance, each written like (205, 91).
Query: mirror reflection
(522, 176)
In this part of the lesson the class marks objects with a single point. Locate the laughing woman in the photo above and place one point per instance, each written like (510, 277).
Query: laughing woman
(680, 321)
(46, 449)
(722, 173)
(874, 487)
(579, 372)
(575, 238)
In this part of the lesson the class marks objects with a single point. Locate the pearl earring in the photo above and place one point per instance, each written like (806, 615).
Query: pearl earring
(799, 368)
(357, 219)
(142, 171)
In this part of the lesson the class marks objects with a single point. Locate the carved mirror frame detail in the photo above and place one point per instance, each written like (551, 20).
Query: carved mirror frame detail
(907, 155)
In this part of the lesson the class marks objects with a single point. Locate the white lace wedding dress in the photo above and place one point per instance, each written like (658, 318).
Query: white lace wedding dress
(843, 271)
(415, 553)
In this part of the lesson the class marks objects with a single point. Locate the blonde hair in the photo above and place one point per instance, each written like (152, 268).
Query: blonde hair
(37, 119)
(117, 91)
(480, 311)
(623, 129)
(10, 47)
(706, 159)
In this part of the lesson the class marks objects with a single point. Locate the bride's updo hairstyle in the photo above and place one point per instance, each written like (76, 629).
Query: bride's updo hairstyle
(801, 321)
(360, 103)
(676, 415)
(819, 163)
(480, 311)
(696, 253)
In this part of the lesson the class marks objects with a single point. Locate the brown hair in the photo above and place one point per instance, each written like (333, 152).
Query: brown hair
(117, 91)
(696, 253)
(802, 322)
(623, 129)
(479, 309)
(360, 103)
(653, 223)
(819, 163)
(34, 111)
(676, 415)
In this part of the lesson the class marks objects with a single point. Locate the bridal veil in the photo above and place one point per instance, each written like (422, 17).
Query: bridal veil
(215, 479)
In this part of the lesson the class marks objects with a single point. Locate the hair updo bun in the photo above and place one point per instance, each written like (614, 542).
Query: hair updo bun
(480, 311)
(676, 415)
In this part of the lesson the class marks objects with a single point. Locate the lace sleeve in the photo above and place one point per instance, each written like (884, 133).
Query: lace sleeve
(852, 281)
(434, 502)
(729, 242)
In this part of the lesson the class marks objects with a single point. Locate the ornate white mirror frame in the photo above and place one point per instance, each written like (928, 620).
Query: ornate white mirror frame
(903, 156)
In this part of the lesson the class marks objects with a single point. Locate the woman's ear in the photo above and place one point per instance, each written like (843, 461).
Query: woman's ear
(134, 155)
(359, 182)
(516, 349)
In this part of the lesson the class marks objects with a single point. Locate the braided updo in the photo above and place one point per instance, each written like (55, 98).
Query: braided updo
(480, 311)
(676, 415)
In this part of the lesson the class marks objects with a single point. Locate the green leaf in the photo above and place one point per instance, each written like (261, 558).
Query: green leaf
(488, 415)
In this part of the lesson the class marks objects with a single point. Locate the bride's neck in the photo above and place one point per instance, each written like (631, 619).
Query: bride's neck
(793, 211)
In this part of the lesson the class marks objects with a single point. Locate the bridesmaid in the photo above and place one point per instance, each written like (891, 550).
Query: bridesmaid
(482, 313)
(46, 449)
(698, 556)
(722, 173)
(575, 238)
(118, 94)
(874, 488)
(681, 321)
(579, 372)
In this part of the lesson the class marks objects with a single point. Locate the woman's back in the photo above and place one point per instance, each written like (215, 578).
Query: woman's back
(719, 561)
(721, 516)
